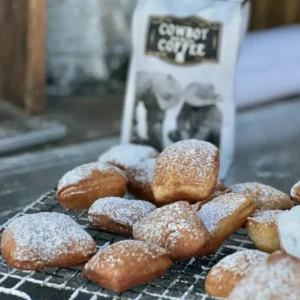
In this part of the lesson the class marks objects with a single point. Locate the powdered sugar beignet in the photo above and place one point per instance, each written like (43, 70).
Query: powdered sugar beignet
(187, 170)
(126, 155)
(140, 179)
(174, 227)
(223, 216)
(266, 197)
(277, 278)
(229, 271)
(82, 186)
(118, 215)
(262, 230)
(127, 264)
(40, 240)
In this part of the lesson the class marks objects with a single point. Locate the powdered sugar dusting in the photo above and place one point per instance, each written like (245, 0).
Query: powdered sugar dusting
(142, 172)
(266, 197)
(278, 279)
(116, 256)
(264, 216)
(120, 210)
(239, 263)
(288, 224)
(295, 190)
(84, 172)
(46, 236)
(194, 159)
(165, 226)
(220, 207)
(126, 155)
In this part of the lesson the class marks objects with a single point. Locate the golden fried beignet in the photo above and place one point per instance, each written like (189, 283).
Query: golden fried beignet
(118, 215)
(82, 186)
(223, 216)
(229, 271)
(174, 227)
(36, 241)
(140, 178)
(262, 230)
(265, 196)
(127, 264)
(277, 278)
(187, 170)
(127, 155)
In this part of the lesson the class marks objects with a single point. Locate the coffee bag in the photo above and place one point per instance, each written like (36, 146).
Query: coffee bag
(182, 73)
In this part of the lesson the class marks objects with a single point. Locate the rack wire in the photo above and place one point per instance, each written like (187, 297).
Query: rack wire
(184, 280)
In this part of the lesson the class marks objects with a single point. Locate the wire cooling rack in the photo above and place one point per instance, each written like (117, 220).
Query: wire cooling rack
(184, 280)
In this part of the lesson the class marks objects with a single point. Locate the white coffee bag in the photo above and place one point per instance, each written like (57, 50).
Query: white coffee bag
(182, 73)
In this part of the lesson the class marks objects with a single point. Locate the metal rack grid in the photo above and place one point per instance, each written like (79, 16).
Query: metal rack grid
(184, 280)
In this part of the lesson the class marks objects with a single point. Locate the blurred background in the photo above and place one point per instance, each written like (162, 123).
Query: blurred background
(63, 70)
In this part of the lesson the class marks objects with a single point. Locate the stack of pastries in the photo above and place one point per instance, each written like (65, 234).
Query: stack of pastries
(180, 210)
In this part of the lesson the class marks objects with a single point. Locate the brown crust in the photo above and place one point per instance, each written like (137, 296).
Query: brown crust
(264, 235)
(104, 222)
(276, 199)
(224, 276)
(227, 281)
(140, 189)
(219, 189)
(229, 225)
(8, 248)
(142, 266)
(160, 225)
(168, 187)
(99, 185)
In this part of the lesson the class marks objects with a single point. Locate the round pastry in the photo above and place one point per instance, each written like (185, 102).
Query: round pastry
(224, 215)
(36, 241)
(288, 226)
(127, 155)
(117, 214)
(127, 264)
(229, 271)
(295, 192)
(277, 278)
(265, 196)
(82, 186)
(187, 170)
(140, 178)
(262, 230)
(174, 227)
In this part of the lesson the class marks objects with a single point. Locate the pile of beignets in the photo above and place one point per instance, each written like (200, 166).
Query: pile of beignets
(180, 210)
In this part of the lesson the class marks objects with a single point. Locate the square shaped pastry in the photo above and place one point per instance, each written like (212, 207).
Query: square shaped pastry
(187, 170)
(82, 186)
(266, 197)
(175, 227)
(127, 264)
(46, 239)
(118, 215)
(224, 215)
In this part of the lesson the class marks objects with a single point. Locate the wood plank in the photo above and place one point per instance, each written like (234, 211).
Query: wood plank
(22, 56)
(269, 13)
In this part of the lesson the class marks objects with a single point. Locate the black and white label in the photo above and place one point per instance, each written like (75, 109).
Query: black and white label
(183, 40)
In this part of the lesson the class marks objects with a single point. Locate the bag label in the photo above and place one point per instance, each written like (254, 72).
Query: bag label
(182, 41)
